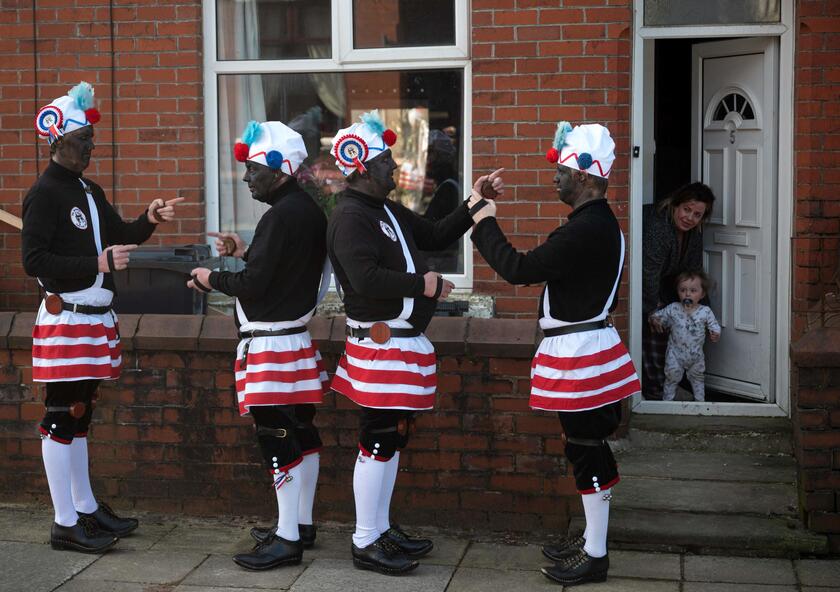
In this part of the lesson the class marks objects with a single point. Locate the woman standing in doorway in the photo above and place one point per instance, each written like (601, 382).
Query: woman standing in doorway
(672, 243)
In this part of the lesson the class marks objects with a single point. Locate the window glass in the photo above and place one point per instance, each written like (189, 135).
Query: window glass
(268, 29)
(711, 12)
(424, 108)
(403, 23)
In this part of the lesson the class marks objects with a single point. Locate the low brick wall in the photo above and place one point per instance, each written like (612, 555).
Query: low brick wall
(166, 437)
(816, 429)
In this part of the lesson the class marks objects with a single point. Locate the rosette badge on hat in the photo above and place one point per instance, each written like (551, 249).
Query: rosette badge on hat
(272, 144)
(588, 147)
(362, 141)
(67, 113)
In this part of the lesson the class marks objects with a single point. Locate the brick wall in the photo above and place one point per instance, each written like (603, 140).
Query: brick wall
(816, 429)
(167, 437)
(144, 60)
(816, 242)
(536, 62)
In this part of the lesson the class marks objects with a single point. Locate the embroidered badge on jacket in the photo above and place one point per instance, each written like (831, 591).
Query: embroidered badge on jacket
(78, 218)
(387, 230)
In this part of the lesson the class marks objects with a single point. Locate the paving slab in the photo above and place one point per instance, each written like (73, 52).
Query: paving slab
(219, 539)
(718, 587)
(819, 572)
(220, 571)
(77, 585)
(718, 496)
(740, 570)
(498, 556)
(329, 575)
(635, 564)
(626, 585)
(183, 588)
(471, 579)
(150, 567)
(330, 545)
(714, 466)
(146, 536)
(38, 566)
(25, 526)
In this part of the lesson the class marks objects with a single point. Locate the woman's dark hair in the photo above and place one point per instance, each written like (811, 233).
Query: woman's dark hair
(690, 192)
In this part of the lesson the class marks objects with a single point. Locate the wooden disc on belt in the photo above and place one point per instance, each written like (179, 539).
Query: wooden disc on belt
(157, 217)
(230, 245)
(380, 332)
(54, 304)
(487, 191)
(77, 409)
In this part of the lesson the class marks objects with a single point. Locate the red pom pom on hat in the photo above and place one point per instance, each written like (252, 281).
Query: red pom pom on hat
(552, 155)
(240, 151)
(93, 115)
(389, 137)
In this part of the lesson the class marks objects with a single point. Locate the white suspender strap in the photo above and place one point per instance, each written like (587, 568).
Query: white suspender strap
(408, 303)
(94, 223)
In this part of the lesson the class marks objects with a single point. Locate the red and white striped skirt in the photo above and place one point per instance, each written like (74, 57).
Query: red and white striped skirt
(582, 371)
(279, 370)
(398, 374)
(75, 346)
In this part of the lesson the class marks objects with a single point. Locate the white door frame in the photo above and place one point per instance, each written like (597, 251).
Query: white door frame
(641, 185)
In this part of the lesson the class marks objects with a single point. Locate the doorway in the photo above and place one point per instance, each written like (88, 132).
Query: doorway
(706, 107)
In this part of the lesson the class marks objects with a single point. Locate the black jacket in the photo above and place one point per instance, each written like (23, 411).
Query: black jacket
(61, 253)
(283, 264)
(578, 261)
(370, 265)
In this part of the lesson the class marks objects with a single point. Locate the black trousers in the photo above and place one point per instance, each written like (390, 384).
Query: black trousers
(300, 436)
(594, 466)
(384, 431)
(60, 425)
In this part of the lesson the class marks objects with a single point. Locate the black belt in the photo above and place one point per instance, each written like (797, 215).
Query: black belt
(273, 333)
(579, 328)
(364, 332)
(85, 309)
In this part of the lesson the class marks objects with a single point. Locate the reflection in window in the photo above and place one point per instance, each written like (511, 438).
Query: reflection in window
(734, 102)
(403, 23)
(268, 29)
(421, 106)
(660, 13)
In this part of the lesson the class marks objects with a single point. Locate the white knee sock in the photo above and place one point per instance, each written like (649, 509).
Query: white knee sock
(83, 497)
(308, 484)
(597, 510)
(57, 465)
(392, 467)
(288, 499)
(367, 489)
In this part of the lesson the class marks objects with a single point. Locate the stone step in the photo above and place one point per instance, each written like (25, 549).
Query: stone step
(743, 435)
(707, 466)
(711, 534)
(706, 497)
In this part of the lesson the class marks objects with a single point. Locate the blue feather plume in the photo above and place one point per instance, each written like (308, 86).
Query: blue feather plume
(82, 93)
(374, 122)
(563, 128)
(252, 132)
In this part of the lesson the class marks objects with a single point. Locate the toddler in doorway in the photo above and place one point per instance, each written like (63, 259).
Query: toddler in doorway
(688, 321)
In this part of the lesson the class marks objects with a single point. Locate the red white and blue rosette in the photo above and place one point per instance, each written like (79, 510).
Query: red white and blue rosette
(49, 121)
(350, 150)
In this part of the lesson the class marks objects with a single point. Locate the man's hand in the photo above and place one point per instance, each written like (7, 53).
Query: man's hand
(431, 286)
(715, 337)
(488, 211)
(228, 244)
(496, 184)
(162, 211)
(200, 279)
(118, 258)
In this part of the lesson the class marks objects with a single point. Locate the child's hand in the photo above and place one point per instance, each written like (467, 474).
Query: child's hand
(715, 337)
(656, 324)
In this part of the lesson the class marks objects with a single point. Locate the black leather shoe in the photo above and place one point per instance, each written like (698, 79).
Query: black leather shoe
(411, 546)
(565, 548)
(109, 522)
(307, 535)
(272, 553)
(84, 536)
(306, 531)
(384, 556)
(579, 568)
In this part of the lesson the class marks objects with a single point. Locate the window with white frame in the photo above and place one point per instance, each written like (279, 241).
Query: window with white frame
(317, 65)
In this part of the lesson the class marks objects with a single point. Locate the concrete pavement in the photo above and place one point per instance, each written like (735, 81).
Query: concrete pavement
(177, 554)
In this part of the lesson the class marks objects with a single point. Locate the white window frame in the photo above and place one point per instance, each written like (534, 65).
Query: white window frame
(641, 185)
(345, 59)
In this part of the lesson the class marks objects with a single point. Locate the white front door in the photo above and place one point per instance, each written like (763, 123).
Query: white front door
(735, 153)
